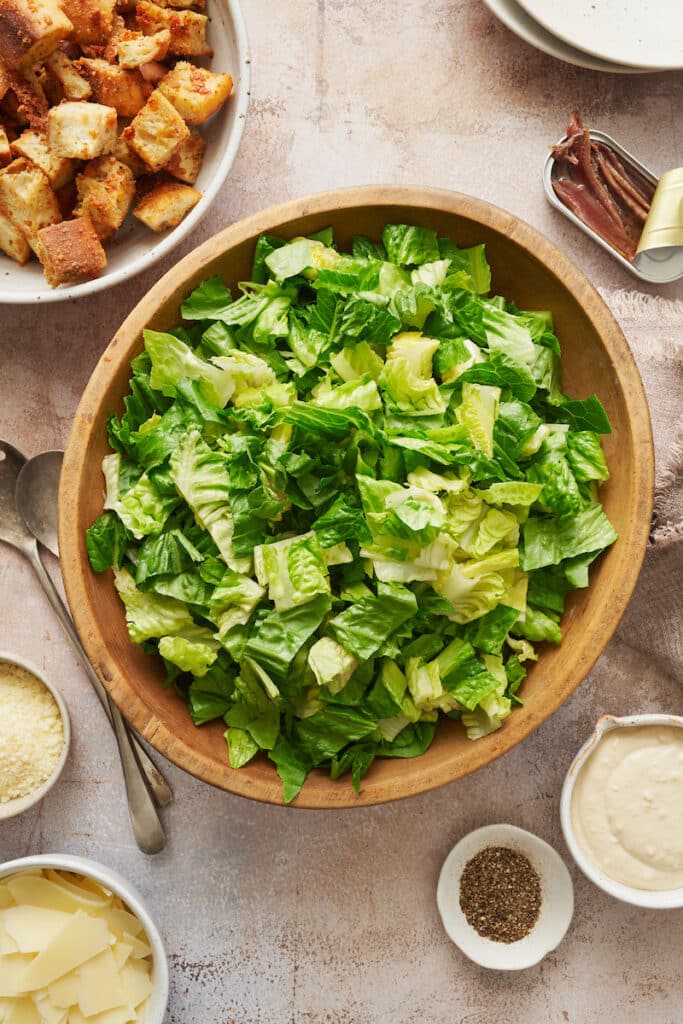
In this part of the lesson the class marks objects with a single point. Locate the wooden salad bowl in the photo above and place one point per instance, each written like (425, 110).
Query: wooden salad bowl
(526, 268)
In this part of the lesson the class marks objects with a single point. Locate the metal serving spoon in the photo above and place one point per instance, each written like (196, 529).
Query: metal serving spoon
(37, 497)
(147, 827)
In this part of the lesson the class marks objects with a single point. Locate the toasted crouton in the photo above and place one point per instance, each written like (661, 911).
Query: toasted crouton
(129, 157)
(195, 92)
(5, 80)
(32, 103)
(150, 18)
(106, 190)
(166, 205)
(93, 20)
(13, 242)
(27, 198)
(33, 145)
(125, 91)
(187, 28)
(134, 48)
(196, 5)
(30, 31)
(186, 162)
(156, 131)
(188, 34)
(70, 251)
(62, 71)
(81, 130)
(5, 151)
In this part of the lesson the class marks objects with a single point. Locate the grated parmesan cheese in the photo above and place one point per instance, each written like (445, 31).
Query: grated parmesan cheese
(31, 732)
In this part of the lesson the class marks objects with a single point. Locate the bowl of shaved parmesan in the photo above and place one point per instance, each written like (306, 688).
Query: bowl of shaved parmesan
(77, 942)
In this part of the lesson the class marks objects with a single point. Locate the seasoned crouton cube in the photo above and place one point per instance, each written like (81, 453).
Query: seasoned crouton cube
(125, 91)
(134, 48)
(186, 162)
(29, 31)
(108, 52)
(150, 18)
(81, 130)
(27, 198)
(187, 28)
(93, 20)
(62, 71)
(156, 131)
(5, 151)
(33, 145)
(125, 155)
(196, 5)
(106, 190)
(10, 114)
(13, 242)
(195, 92)
(70, 251)
(32, 103)
(188, 34)
(5, 80)
(166, 205)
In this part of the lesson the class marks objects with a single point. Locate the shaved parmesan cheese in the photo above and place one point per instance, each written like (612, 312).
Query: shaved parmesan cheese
(32, 927)
(84, 897)
(7, 944)
(63, 993)
(49, 1014)
(121, 951)
(101, 987)
(122, 1015)
(136, 982)
(23, 1012)
(140, 948)
(11, 970)
(120, 921)
(41, 892)
(82, 938)
(70, 953)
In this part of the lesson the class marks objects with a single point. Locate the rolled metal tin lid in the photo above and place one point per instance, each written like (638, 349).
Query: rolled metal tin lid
(660, 249)
(659, 261)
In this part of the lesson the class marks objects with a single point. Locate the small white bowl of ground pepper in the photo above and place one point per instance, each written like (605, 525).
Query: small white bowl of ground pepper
(35, 735)
(505, 897)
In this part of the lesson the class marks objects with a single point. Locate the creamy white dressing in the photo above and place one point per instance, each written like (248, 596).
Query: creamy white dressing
(627, 806)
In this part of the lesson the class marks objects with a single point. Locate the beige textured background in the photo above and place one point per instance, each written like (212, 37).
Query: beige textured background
(279, 917)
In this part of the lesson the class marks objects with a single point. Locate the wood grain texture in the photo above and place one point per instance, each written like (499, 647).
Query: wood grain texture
(526, 268)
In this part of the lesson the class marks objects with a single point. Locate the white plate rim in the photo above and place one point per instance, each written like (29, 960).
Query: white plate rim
(541, 12)
(530, 31)
(176, 236)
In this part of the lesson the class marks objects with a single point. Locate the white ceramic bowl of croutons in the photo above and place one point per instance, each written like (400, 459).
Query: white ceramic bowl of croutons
(134, 247)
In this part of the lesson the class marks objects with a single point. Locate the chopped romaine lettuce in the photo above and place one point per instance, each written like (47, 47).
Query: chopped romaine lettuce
(350, 500)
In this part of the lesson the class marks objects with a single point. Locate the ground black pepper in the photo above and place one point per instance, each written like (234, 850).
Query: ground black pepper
(500, 894)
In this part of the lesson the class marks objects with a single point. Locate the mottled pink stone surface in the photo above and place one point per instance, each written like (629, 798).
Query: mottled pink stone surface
(273, 916)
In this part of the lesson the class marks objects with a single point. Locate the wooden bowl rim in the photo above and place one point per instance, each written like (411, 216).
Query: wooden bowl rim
(324, 793)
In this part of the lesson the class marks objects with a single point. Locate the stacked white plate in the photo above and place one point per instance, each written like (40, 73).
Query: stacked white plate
(617, 36)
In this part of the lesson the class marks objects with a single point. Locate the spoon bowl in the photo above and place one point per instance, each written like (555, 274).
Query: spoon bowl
(13, 529)
(36, 493)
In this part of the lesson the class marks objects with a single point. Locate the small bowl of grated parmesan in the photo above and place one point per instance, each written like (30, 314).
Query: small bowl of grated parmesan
(35, 735)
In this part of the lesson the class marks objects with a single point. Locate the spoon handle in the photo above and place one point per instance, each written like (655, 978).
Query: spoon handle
(161, 791)
(147, 827)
